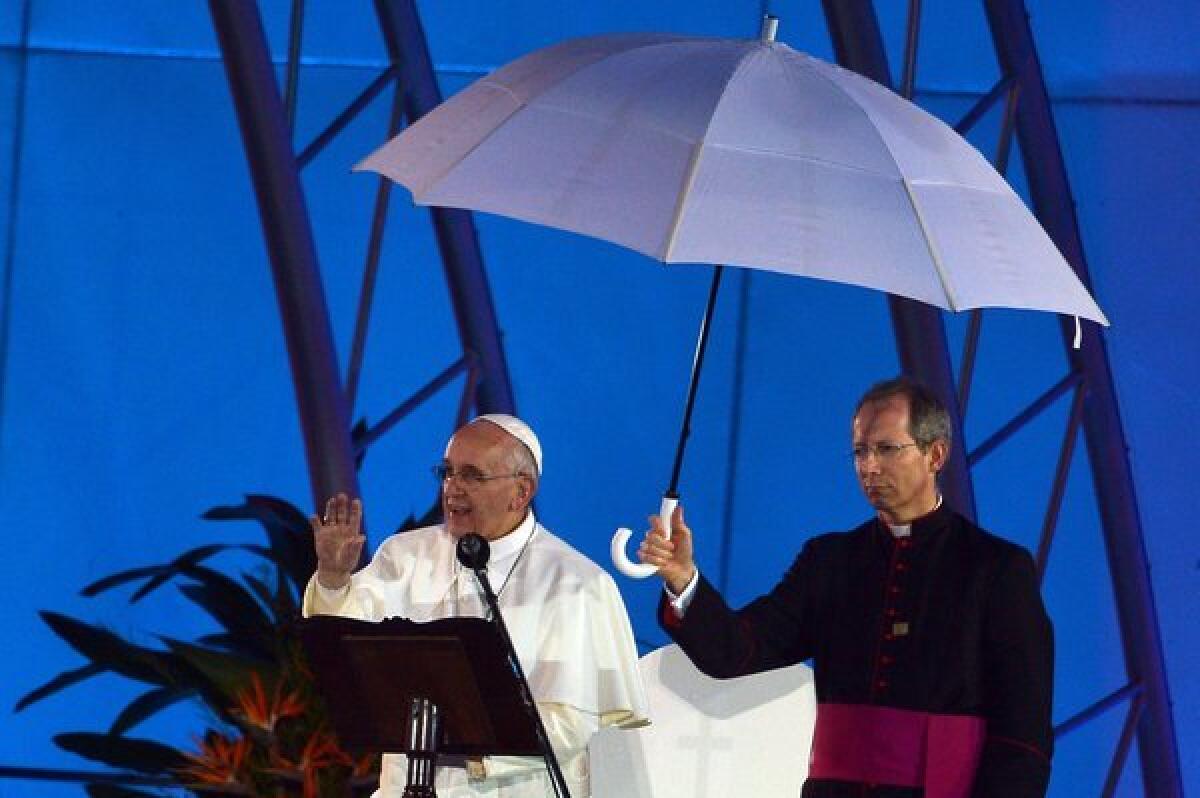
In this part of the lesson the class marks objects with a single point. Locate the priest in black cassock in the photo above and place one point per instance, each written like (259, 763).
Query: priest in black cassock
(932, 652)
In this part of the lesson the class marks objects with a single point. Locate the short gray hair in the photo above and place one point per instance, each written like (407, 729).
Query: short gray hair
(521, 460)
(928, 419)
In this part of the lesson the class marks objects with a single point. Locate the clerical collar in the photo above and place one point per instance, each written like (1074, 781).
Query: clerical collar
(509, 545)
(905, 530)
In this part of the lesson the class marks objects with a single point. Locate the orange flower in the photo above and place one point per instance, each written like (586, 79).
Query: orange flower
(321, 751)
(365, 766)
(219, 762)
(258, 712)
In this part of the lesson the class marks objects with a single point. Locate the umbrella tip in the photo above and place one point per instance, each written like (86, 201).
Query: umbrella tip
(770, 25)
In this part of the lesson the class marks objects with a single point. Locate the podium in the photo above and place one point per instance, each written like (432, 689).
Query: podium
(372, 673)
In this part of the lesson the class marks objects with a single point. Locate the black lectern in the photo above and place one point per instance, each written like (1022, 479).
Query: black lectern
(374, 674)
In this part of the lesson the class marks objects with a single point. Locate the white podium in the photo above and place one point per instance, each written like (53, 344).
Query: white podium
(710, 738)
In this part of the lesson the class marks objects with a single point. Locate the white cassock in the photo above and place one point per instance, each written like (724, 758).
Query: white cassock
(565, 617)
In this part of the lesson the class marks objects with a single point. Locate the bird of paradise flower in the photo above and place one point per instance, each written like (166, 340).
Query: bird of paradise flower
(270, 733)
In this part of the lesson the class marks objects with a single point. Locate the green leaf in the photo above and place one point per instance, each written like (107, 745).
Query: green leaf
(288, 533)
(228, 644)
(144, 756)
(120, 578)
(281, 602)
(147, 704)
(214, 791)
(116, 791)
(108, 650)
(231, 605)
(59, 682)
(221, 640)
(161, 574)
(190, 560)
(224, 674)
(287, 601)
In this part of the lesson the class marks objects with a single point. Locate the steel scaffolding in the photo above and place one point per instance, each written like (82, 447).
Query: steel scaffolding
(919, 331)
(326, 400)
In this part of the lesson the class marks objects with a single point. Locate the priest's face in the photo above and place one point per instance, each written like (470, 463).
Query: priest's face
(897, 477)
(483, 494)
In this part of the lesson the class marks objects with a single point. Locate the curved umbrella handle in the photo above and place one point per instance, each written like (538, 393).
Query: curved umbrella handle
(640, 570)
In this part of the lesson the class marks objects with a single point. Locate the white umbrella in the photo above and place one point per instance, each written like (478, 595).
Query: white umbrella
(737, 152)
(740, 152)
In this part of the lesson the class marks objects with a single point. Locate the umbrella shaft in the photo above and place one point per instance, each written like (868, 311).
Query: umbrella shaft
(694, 381)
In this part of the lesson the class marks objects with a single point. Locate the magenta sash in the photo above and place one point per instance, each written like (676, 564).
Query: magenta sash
(899, 747)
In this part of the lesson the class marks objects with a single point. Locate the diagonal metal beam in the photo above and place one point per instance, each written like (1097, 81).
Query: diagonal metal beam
(455, 229)
(301, 296)
(1103, 433)
(920, 335)
(1129, 691)
(351, 112)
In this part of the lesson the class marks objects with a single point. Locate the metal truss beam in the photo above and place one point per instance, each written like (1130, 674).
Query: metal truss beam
(263, 120)
(1103, 432)
(919, 331)
(455, 230)
(920, 334)
(266, 122)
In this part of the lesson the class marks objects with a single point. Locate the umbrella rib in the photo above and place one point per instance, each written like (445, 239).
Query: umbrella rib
(677, 215)
(697, 151)
(936, 256)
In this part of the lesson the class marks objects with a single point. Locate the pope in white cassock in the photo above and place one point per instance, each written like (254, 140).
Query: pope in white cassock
(564, 614)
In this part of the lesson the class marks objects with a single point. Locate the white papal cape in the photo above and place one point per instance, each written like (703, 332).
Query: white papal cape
(566, 619)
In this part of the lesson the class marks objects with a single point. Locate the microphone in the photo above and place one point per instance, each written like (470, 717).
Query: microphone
(473, 551)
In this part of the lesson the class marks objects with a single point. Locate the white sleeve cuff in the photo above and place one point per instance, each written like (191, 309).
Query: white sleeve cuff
(320, 600)
(680, 603)
(331, 595)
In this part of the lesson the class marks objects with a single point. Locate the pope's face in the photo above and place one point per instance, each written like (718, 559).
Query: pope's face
(900, 483)
(494, 505)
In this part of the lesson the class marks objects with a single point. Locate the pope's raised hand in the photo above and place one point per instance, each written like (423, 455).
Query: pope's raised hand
(339, 540)
(672, 556)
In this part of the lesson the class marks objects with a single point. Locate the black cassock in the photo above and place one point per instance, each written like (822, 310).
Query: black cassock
(948, 620)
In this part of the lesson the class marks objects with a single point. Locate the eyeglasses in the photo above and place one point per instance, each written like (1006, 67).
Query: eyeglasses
(882, 451)
(470, 476)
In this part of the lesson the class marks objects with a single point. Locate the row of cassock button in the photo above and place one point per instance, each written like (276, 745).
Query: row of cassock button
(894, 626)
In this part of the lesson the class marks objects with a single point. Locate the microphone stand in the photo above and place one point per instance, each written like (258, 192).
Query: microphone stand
(473, 552)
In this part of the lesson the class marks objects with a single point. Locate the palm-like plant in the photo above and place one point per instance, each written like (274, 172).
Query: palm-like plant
(270, 734)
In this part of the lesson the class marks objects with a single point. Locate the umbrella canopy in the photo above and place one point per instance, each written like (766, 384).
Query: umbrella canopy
(735, 152)
(740, 152)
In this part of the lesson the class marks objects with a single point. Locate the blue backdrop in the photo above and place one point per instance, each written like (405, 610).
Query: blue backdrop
(144, 377)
